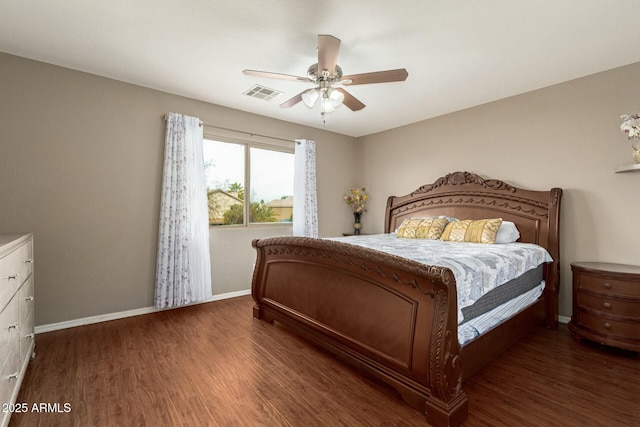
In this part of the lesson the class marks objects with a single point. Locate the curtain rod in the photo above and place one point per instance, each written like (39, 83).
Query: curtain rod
(253, 134)
(166, 116)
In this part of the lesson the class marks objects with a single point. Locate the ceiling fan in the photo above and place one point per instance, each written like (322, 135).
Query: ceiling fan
(325, 74)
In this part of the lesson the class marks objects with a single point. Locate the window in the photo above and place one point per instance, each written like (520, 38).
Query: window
(238, 172)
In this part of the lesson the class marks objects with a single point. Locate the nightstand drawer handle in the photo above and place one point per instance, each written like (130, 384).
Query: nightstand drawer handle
(607, 285)
(607, 305)
(607, 325)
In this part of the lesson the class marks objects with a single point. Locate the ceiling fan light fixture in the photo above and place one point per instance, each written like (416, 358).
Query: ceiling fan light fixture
(335, 97)
(310, 97)
(326, 105)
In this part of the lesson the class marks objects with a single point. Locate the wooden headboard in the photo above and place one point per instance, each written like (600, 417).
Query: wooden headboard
(464, 195)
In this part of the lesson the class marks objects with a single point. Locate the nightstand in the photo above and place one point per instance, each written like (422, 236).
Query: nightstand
(606, 304)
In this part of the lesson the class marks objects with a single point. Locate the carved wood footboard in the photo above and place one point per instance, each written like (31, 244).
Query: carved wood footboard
(393, 317)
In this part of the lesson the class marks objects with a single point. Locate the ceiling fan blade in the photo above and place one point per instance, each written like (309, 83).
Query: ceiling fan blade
(398, 75)
(279, 76)
(293, 101)
(350, 101)
(328, 48)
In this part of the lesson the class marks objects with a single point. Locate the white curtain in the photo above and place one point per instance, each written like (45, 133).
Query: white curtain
(183, 271)
(305, 199)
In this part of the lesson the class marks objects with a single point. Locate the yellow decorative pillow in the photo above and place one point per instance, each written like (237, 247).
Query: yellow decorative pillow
(480, 231)
(427, 228)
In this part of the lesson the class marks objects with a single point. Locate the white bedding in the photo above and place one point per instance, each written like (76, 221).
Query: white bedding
(478, 268)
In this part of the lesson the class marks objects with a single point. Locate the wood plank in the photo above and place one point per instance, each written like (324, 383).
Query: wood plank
(214, 364)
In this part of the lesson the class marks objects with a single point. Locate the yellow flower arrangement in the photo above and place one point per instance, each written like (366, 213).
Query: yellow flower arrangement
(357, 199)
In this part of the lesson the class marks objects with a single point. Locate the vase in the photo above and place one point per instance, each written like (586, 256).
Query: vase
(356, 223)
(635, 145)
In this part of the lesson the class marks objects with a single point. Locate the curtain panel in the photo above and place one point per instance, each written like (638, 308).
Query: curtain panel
(305, 204)
(183, 270)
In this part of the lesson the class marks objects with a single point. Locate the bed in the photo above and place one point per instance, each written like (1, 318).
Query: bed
(395, 318)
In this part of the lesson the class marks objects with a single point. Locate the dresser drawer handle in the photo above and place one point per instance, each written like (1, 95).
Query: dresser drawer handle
(607, 325)
(12, 277)
(14, 326)
(31, 299)
(28, 261)
(13, 377)
(607, 305)
(30, 336)
(606, 285)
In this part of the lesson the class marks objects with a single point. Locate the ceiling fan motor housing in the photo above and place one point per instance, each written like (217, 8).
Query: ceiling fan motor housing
(323, 75)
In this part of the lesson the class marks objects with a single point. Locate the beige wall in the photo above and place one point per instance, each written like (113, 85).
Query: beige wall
(562, 136)
(81, 166)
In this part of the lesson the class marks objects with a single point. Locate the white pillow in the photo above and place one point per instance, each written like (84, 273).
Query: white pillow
(449, 218)
(507, 233)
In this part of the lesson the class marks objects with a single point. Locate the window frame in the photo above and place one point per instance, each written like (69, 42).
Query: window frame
(255, 142)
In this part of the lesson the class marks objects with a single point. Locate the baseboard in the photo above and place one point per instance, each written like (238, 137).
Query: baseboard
(122, 314)
(146, 310)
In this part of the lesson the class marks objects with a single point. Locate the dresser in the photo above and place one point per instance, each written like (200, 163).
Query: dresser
(16, 316)
(606, 304)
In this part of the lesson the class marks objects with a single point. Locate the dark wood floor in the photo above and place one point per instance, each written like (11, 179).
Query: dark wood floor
(214, 365)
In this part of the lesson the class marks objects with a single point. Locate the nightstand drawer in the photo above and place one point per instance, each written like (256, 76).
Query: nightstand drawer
(612, 306)
(605, 285)
(603, 325)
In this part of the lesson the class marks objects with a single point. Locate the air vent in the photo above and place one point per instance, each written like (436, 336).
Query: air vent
(262, 92)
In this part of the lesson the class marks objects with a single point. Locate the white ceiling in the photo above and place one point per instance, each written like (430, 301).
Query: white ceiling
(458, 53)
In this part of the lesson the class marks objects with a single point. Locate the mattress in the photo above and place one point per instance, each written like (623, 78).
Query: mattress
(475, 327)
(481, 270)
(503, 293)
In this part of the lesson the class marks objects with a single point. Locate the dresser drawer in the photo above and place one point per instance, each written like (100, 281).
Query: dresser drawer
(612, 306)
(9, 329)
(26, 311)
(15, 267)
(604, 285)
(9, 360)
(606, 326)
(26, 300)
(9, 377)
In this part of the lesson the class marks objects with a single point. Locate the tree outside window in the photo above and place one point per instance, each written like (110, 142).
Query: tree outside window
(270, 178)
